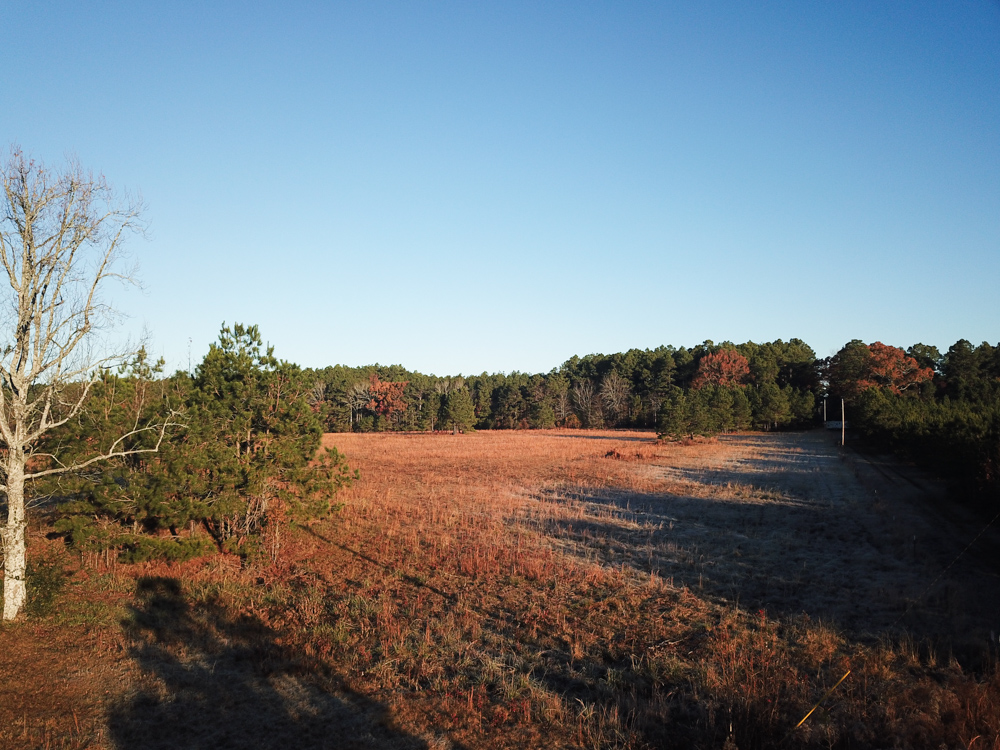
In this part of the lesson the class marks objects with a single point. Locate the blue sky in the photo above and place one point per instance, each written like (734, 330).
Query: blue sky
(460, 187)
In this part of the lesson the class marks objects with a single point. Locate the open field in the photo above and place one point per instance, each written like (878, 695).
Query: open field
(541, 589)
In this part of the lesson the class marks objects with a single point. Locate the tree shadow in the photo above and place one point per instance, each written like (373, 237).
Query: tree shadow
(214, 680)
(617, 438)
(802, 531)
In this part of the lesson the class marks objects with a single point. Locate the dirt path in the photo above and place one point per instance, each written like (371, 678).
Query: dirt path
(792, 523)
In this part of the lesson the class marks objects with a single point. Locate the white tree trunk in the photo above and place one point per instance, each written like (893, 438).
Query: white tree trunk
(14, 548)
(60, 239)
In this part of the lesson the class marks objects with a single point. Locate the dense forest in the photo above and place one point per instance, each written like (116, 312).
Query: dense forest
(244, 453)
(703, 390)
(940, 411)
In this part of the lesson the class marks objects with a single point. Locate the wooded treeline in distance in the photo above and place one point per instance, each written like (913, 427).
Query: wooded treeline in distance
(706, 389)
(941, 410)
(253, 422)
(243, 456)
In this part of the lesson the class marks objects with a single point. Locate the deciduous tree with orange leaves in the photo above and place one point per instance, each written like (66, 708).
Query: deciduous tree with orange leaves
(858, 367)
(385, 398)
(726, 367)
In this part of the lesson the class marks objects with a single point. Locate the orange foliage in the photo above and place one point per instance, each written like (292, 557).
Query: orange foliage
(385, 398)
(891, 368)
(726, 367)
(858, 367)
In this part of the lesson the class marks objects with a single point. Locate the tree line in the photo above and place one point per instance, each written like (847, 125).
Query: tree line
(941, 411)
(246, 455)
(139, 465)
(700, 390)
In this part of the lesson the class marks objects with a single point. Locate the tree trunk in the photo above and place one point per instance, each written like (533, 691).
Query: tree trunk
(14, 548)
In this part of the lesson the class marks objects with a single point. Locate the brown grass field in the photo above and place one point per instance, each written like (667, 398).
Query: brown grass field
(541, 589)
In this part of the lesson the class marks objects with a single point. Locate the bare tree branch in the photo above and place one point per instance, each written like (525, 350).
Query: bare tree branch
(61, 240)
(112, 452)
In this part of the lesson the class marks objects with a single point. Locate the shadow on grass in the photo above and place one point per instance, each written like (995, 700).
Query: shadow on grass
(617, 438)
(214, 680)
(869, 567)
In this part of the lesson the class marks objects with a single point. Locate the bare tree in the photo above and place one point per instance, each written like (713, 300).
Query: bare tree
(357, 398)
(653, 402)
(563, 407)
(558, 390)
(585, 400)
(61, 237)
(615, 393)
(317, 394)
(447, 385)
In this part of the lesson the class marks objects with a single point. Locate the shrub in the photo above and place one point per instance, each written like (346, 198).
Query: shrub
(147, 548)
(46, 579)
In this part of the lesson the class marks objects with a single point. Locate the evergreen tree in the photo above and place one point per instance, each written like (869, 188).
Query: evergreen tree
(509, 407)
(542, 416)
(459, 413)
(248, 457)
(720, 408)
(557, 387)
(774, 409)
(673, 419)
(961, 370)
(802, 405)
(742, 413)
(926, 356)
(699, 413)
(433, 409)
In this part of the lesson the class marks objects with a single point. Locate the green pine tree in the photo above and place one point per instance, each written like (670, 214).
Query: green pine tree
(742, 413)
(459, 412)
(248, 457)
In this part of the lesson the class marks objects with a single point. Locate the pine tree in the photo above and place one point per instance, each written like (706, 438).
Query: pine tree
(459, 412)
(742, 413)
(673, 419)
(249, 456)
(774, 409)
(719, 408)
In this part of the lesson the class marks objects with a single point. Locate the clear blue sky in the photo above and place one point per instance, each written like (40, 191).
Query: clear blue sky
(461, 187)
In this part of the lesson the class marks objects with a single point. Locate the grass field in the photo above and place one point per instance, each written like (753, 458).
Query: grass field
(538, 589)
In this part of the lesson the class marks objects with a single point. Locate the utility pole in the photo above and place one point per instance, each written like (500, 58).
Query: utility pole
(843, 423)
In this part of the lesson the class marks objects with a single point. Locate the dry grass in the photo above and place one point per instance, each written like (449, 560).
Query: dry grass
(542, 589)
